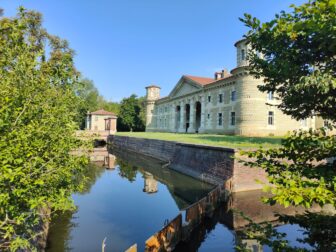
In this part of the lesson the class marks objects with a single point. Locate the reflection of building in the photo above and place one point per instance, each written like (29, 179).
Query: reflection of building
(110, 161)
(229, 103)
(252, 245)
(101, 120)
(150, 184)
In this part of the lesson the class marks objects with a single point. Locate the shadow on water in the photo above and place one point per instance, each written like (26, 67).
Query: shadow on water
(130, 200)
(228, 225)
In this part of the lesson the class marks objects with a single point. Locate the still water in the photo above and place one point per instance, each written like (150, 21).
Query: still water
(132, 200)
(126, 205)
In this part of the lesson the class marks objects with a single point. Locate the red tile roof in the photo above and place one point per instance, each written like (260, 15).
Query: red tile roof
(102, 112)
(200, 80)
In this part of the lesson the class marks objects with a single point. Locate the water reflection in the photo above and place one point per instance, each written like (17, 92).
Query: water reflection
(150, 184)
(116, 203)
(128, 197)
(226, 228)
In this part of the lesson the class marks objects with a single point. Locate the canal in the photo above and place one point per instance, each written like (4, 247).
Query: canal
(135, 196)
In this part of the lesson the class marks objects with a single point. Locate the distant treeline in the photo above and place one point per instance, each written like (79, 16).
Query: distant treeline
(130, 111)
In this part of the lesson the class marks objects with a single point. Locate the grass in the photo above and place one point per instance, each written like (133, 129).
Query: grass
(242, 142)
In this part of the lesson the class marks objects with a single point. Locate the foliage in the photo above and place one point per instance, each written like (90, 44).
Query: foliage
(299, 170)
(38, 110)
(127, 170)
(319, 232)
(298, 50)
(92, 101)
(132, 114)
(295, 54)
(298, 58)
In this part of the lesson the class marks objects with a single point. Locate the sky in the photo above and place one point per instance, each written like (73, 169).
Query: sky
(126, 45)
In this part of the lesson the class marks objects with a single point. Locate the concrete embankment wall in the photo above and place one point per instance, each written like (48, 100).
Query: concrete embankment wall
(215, 165)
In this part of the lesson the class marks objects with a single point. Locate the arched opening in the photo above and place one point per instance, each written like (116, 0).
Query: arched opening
(187, 116)
(198, 116)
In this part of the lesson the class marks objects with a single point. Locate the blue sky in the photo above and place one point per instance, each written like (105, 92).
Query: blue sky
(125, 45)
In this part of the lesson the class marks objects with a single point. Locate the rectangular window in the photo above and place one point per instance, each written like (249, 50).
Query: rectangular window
(209, 98)
(243, 54)
(208, 116)
(233, 118)
(270, 95)
(270, 118)
(220, 119)
(233, 95)
(220, 98)
(304, 122)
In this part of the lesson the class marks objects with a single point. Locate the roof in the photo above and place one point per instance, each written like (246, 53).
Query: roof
(239, 41)
(153, 86)
(102, 112)
(200, 80)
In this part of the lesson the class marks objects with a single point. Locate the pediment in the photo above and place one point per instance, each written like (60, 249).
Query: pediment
(184, 87)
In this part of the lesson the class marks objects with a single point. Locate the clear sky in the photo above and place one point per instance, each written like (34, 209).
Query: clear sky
(125, 45)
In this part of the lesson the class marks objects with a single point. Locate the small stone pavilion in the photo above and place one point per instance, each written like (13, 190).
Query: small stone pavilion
(101, 120)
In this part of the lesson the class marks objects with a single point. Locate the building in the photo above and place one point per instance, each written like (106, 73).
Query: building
(101, 120)
(229, 103)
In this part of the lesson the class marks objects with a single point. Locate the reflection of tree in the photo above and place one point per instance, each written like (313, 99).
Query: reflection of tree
(319, 231)
(127, 170)
(91, 173)
(59, 232)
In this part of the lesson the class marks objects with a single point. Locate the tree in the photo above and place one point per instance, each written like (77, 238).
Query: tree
(298, 63)
(298, 58)
(38, 113)
(92, 101)
(131, 114)
(295, 54)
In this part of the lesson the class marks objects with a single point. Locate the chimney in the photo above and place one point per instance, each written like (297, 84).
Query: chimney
(225, 73)
(218, 75)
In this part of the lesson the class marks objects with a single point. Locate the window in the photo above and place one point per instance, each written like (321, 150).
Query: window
(233, 95)
(270, 95)
(220, 98)
(270, 118)
(233, 118)
(304, 122)
(208, 116)
(209, 98)
(220, 119)
(166, 109)
(242, 54)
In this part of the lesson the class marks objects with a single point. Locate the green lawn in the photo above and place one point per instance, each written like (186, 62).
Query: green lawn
(209, 139)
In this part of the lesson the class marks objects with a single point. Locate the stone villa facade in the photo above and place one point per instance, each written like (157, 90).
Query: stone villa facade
(229, 103)
(101, 120)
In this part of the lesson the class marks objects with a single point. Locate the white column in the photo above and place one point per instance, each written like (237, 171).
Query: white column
(173, 117)
(191, 128)
(182, 115)
(202, 125)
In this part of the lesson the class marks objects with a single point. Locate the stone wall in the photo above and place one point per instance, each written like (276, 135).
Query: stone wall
(215, 165)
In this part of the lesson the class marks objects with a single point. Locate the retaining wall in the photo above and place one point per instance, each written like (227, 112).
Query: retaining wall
(215, 165)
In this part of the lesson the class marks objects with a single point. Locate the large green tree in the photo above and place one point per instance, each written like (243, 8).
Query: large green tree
(295, 54)
(38, 113)
(132, 114)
